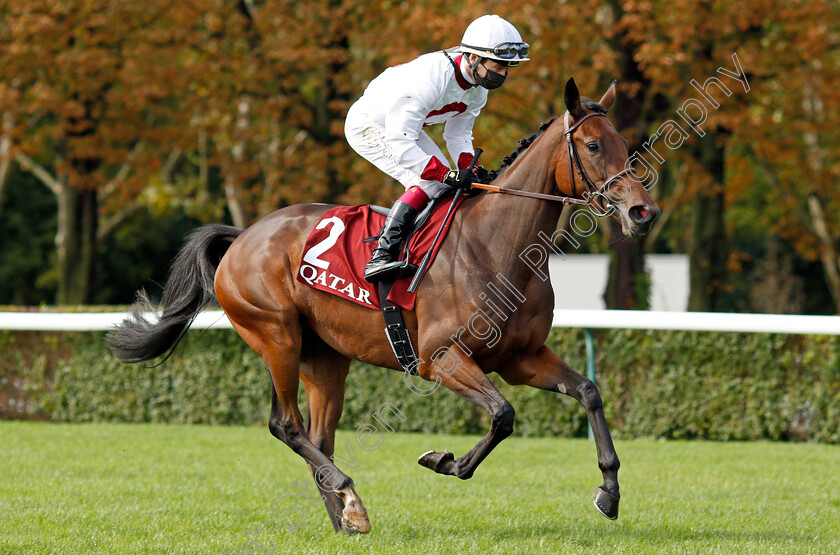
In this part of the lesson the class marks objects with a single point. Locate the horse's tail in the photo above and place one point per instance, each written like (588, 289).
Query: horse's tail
(188, 290)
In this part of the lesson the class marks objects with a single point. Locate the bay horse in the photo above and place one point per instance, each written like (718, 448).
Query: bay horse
(305, 335)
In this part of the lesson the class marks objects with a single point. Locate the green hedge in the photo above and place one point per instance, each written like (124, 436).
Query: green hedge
(718, 386)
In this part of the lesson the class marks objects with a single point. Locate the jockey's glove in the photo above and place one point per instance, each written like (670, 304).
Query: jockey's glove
(460, 179)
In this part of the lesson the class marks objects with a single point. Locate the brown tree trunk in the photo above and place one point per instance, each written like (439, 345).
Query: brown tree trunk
(331, 108)
(628, 286)
(5, 155)
(708, 250)
(828, 254)
(76, 245)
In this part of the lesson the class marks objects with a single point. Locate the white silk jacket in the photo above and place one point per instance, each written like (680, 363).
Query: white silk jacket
(426, 91)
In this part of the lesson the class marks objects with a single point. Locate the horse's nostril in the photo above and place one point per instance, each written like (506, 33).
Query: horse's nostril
(643, 214)
(640, 214)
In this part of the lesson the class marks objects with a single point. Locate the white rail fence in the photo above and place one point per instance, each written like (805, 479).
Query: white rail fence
(88, 321)
(589, 319)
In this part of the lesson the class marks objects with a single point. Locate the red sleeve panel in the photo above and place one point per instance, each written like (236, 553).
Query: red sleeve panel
(435, 170)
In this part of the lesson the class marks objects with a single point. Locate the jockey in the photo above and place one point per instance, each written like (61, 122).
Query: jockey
(385, 126)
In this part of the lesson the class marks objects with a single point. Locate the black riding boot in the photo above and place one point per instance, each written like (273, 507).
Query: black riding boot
(384, 261)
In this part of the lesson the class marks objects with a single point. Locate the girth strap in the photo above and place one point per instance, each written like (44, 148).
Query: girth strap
(395, 330)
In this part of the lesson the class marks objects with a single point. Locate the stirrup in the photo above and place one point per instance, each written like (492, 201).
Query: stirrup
(388, 270)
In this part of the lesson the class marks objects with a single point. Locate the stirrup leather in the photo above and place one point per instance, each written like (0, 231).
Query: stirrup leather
(396, 331)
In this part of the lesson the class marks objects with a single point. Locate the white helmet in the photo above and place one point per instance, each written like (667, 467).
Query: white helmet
(492, 37)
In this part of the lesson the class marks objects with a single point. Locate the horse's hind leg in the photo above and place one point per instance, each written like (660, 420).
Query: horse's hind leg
(546, 370)
(323, 372)
(278, 342)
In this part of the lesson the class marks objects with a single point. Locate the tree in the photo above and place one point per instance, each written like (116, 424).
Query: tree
(788, 132)
(232, 109)
(89, 123)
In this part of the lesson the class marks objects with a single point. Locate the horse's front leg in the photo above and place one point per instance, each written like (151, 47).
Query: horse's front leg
(471, 383)
(546, 370)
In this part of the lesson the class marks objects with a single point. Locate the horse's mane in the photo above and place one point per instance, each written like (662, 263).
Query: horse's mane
(507, 161)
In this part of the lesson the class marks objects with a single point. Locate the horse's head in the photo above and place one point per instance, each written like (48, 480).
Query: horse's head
(597, 168)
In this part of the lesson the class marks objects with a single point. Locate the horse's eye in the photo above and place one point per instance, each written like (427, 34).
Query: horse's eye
(593, 147)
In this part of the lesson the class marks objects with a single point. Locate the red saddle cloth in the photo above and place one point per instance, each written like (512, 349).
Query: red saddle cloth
(335, 255)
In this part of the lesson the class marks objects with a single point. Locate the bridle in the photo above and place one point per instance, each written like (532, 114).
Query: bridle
(574, 165)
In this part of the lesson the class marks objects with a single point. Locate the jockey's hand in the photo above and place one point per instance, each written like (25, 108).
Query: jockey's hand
(460, 179)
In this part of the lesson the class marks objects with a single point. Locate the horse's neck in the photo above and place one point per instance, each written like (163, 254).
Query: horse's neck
(513, 222)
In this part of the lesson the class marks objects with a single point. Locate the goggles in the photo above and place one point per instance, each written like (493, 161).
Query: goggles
(506, 51)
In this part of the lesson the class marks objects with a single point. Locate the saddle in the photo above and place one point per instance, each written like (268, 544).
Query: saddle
(336, 252)
(419, 221)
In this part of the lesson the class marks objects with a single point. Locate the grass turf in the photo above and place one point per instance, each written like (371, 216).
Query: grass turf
(114, 488)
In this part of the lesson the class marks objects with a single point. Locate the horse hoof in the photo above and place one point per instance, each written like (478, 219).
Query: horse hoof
(354, 522)
(606, 504)
(436, 460)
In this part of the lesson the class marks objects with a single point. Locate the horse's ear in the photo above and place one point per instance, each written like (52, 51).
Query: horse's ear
(572, 98)
(609, 97)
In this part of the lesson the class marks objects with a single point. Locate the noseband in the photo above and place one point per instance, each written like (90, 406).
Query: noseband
(575, 163)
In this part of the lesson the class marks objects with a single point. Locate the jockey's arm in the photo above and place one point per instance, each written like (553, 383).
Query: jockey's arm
(459, 137)
(403, 125)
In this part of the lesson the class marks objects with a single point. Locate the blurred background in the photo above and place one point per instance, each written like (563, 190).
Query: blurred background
(125, 124)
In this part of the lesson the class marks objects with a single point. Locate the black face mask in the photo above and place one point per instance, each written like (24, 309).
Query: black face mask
(491, 79)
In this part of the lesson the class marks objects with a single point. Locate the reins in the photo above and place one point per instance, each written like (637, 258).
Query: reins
(518, 193)
(574, 165)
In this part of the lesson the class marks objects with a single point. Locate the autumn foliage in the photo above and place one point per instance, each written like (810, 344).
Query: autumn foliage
(229, 109)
